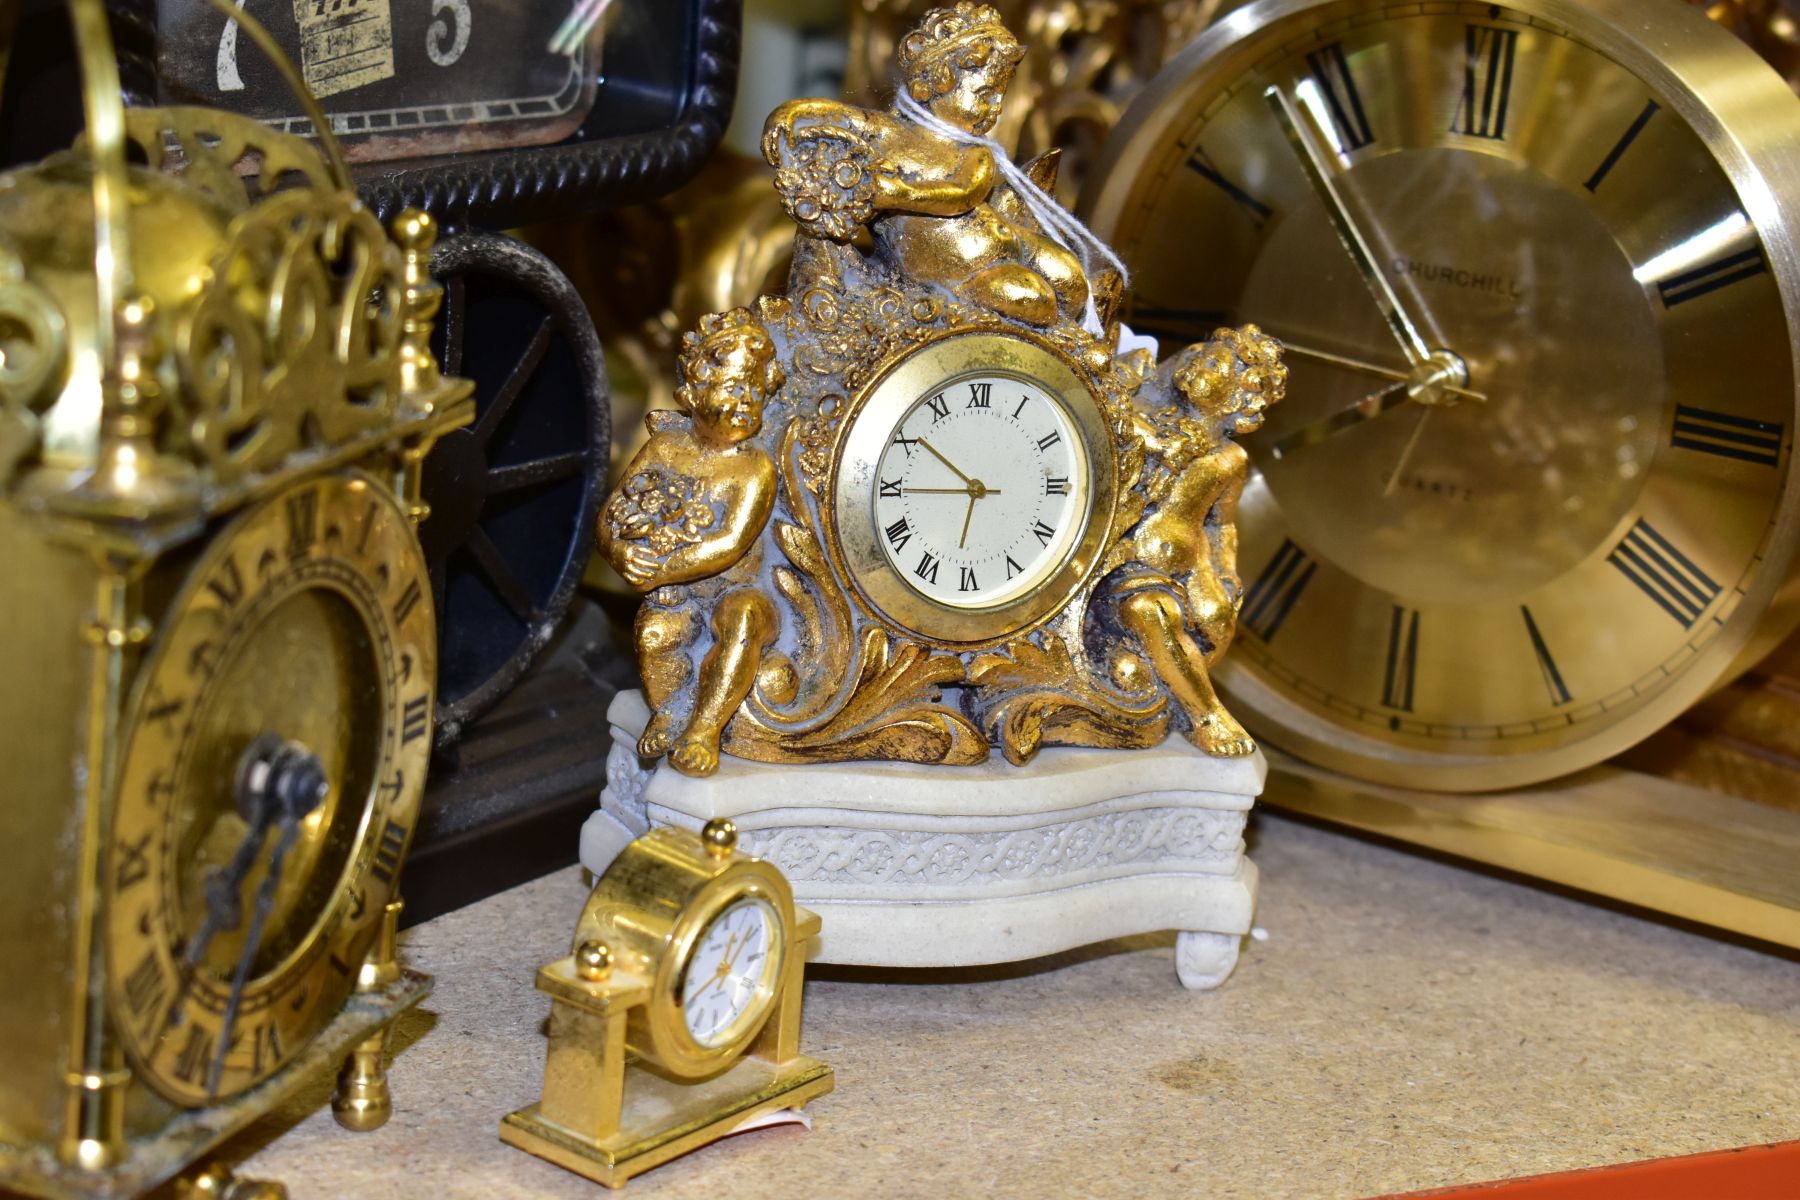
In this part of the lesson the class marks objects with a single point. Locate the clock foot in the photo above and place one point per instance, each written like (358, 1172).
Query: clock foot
(1205, 960)
(363, 1101)
(217, 1182)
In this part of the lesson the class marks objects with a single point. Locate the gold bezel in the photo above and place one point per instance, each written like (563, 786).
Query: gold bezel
(1745, 116)
(677, 1050)
(851, 531)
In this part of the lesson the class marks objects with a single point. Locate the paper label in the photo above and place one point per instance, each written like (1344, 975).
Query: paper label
(344, 44)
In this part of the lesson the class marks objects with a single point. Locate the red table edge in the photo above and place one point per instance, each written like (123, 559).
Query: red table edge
(1748, 1173)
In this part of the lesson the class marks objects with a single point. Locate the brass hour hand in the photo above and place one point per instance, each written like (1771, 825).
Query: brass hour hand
(1423, 389)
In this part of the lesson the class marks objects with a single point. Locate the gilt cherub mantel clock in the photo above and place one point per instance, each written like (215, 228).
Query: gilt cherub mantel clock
(920, 507)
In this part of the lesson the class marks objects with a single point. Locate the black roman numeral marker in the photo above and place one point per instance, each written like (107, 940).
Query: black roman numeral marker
(1727, 436)
(1331, 71)
(158, 707)
(195, 1054)
(415, 718)
(1056, 485)
(409, 599)
(266, 1039)
(1050, 439)
(1553, 680)
(146, 987)
(388, 852)
(1487, 82)
(228, 584)
(940, 407)
(1664, 574)
(1402, 659)
(1722, 272)
(981, 395)
(1258, 212)
(302, 522)
(133, 862)
(898, 534)
(967, 582)
(1023, 401)
(1620, 147)
(890, 487)
(927, 568)
(904, 442)
(1273, 593)
(1044, 533)
(1012, 568)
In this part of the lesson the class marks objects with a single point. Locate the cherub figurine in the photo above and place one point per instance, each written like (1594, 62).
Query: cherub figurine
(1177, 598)
(935, 204)
(685, 527)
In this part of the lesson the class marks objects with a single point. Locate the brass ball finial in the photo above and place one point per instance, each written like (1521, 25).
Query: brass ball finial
(593, 960)
(720, 836)
(415, 230)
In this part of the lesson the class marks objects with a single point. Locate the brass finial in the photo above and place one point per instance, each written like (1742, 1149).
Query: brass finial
(416, 232)
(720, 836)
(593, 961)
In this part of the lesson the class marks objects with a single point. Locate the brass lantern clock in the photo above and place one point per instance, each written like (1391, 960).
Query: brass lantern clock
(221, 654)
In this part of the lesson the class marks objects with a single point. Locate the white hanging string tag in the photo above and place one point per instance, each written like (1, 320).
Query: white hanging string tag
(1055, 220)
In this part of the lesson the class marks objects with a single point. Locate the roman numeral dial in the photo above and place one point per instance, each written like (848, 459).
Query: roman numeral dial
(1532, 479)
(981, 490)
(304, 640)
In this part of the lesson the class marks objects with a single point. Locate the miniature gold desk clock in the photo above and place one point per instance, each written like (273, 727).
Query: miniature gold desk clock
(688, 958)
(219, 646)
(923, 505)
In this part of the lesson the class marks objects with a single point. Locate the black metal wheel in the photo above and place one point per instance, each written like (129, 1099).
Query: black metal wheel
(513, 495)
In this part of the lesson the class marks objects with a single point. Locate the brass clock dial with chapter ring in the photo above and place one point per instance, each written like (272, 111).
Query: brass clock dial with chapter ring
(269, 781)
(1530, 495)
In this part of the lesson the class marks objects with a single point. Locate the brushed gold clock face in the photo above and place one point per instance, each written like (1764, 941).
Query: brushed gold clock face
(973, 488)
(1514, 567)
(269, 781)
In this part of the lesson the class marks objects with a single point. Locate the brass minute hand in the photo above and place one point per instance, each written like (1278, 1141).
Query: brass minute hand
(1364, 367)
(1399, 321)
(945, 461)
(1367, 409)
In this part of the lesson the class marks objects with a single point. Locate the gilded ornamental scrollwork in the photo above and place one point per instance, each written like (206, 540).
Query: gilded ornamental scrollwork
(758, 636)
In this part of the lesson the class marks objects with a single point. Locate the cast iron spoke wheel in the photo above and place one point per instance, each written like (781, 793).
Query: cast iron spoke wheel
(513, 494)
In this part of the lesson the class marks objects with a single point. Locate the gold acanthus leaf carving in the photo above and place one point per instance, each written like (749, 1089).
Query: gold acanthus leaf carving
(1028, 690)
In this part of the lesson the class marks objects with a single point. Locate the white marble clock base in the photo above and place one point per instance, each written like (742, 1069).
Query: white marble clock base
(916, 866)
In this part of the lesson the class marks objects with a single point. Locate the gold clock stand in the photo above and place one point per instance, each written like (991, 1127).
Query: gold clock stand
(609, 1119)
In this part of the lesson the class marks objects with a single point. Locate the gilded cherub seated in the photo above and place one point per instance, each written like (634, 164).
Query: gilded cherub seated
(936, 207)
(684, 526)
(1176, 599)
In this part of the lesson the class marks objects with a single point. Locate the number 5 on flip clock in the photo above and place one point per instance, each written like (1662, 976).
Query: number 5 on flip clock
(220, 645)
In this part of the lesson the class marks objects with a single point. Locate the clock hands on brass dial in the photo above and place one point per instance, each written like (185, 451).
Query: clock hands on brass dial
(1438, 377)
(278, 784)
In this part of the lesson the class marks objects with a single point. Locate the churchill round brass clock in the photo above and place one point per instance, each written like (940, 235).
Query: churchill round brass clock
(270, 777)
(1533, 266)
(973, 487)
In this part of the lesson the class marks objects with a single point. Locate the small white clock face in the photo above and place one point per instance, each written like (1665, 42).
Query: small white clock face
(729, 970)
(981, 491)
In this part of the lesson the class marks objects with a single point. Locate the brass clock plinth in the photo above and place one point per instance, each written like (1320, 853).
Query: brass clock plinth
(654, 1049)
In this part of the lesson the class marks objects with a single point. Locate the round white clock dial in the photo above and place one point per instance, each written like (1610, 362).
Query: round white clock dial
(982, 490)
(729, 972)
